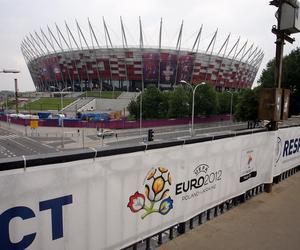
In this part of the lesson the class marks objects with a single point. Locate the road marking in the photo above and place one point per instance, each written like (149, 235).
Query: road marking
(48, 146)
(11, 136)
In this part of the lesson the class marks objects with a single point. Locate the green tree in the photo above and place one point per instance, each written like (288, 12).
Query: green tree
(134, 108)
(247, 106)
(290, 78)
(152, 103)
(178, 103)
(164, 105)
(206, 102)
(224, 100)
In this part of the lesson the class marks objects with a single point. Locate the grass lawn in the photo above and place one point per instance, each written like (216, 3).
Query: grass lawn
(47, 104)
(104, 94)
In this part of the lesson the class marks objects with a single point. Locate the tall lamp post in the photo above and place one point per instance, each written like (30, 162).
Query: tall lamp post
(61, 95)
(141, 113)
(193, 103)
(13, 71)
(231, 100)
(61, 117)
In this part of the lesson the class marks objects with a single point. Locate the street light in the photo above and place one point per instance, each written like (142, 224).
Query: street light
(193, 103)
(141, 101)
(13, 71)
(62, 116)
(61, 95)
(231, 99)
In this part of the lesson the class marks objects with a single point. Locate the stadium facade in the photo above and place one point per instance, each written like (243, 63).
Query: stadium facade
(65, 60)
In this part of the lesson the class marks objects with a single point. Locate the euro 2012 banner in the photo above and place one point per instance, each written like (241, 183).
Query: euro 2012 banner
(287, 150)
(112, 202)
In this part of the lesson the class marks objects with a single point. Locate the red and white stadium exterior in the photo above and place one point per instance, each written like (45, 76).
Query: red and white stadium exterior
(64, 61)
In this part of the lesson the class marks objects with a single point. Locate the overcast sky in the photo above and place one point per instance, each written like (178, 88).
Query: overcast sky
(252, 20)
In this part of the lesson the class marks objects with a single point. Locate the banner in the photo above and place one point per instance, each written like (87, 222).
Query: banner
(287, 146)
(112, 202)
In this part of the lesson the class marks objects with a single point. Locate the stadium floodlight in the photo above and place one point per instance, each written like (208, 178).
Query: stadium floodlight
(13, 71)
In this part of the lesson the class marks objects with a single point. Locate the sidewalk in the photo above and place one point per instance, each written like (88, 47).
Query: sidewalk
(267, 221)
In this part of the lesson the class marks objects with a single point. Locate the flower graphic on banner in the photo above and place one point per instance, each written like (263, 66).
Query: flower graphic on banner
(157, 183)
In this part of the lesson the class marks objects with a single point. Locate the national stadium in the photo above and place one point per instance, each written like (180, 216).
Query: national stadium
(62, 59)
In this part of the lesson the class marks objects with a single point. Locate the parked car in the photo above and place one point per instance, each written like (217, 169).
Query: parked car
(105, 133)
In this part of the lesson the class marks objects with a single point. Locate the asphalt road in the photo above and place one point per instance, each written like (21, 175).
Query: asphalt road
(13, 141)
(12, 144)
(88, 138)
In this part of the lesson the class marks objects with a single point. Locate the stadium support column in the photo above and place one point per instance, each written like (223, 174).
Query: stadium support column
(250, 59)
(48, 51)
(69, 47)
(92, 34)
(69, 33)
(224, 45)
(234, 48)
(125, 46)
(178, 47)
(46, 56)
(196, 44)
(212, 43)
(159, 49)
(64, 62)
(80, 34)
(239, 62)
(240, 76)
(142, 47)
(31, 56)
(107, 39)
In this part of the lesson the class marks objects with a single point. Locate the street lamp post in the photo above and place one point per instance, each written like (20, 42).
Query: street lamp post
(141, 101)
(193, 103)
(61, 95)
(13, 71)
(61, 117)
(231, 99)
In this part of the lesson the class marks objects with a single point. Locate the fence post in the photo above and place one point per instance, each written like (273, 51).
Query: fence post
(171, 233)
(148, 244)
(268, 187)
(181, 228)
(159, 238)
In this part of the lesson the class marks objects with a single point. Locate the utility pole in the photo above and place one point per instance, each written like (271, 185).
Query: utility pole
(271, 100)
(16, 95)
(13, 71)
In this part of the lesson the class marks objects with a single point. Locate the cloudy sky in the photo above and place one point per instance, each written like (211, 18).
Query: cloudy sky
(252, 20)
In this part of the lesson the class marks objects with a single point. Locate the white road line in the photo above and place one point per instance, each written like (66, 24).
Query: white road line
(48, 146)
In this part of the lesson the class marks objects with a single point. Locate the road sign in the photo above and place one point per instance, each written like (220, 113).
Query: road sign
(34, 123)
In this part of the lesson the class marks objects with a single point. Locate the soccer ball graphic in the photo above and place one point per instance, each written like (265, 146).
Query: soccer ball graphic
(157, 184)
(157, 194)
